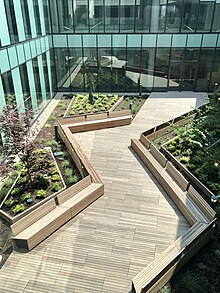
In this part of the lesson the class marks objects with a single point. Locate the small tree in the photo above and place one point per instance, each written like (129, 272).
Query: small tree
(91, 81)
(18, 138)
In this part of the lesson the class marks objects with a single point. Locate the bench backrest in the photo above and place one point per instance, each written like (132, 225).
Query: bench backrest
(71, 191)
(146, 142)
(32, 217)
(158, 155)
(201, 203)
(121, 113)
(177, 176)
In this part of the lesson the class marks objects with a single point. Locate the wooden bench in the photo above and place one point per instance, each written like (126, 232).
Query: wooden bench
(100, 124)
(177, 176)
(43, 221)
(201, 203)
(158, 155)
(39, 224)
(159, 272)
(83, 198)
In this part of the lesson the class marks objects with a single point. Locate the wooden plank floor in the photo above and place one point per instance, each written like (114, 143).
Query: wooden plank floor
(112, 240)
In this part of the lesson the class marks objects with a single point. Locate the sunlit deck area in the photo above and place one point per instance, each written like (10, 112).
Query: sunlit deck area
(112, 240)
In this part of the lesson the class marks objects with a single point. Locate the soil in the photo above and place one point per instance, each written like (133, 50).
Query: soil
(81, 105)
(134, 103)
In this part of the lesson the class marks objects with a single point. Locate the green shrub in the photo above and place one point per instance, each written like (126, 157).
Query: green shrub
(18, 166)
(172, 148)
(55, 177)
(68, 172)
(23, 172)
(176, 152)
(25, 196)
(51, 118)
(184, 159)
(51, 143)
(72, 112)
(8, 182)
(52, 164)
(41, 193)
(73, 179)
(134, 109)
(19, 208)
(22, 180)
(54, 171)
(189, 282)
(81, 112)
(10, 202)
(57, 186)
(3, 192)
(16, 191)
(47, 125)
(65, 164)
(42, 181)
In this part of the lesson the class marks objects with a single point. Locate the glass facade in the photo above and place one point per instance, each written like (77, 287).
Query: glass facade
(53, 45)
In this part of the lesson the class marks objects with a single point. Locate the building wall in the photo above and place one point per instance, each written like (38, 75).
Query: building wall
(50, 45)
(26, 57)
(162, 44)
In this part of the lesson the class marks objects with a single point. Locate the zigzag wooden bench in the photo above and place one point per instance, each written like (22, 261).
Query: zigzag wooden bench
(39, 224)
(33, 228)
(194, 208)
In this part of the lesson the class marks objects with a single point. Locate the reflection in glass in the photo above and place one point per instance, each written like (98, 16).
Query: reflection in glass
(80, 8)
(112, 16)
(161, 69)
(190, 15)
(76, 79)
(127, 15)
(96, 16)
(8, 88)
(37, 83)
(37, 17)
(205, 16)
(204, 69)
(215, 78)
(12, 25)
(65, 14)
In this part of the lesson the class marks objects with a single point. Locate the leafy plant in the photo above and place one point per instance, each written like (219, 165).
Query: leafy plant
(8, 182)
(65, 164)
(55, 177)
(47, 125)
(19, 208)
(25, 196)
(184, 159)
(22, 180)
(57, 186)
(41, 193)
(9, 202)
(42, 181)
(189, 282)
(16, 191)
(73, 179)
(68, 172)
(51, 118)
(51, 143)
(54, 171)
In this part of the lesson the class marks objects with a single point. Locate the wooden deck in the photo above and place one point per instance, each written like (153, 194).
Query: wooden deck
(104, 247)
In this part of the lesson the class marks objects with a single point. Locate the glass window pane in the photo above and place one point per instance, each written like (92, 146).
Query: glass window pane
(194, 40)
(143, 16)
(37, 17)
(60, 40)
(12, 56)
(119, 40)
(26, 18)
(161, 69)
(76, 79)
(147, 68)
(190, 15)
(80, 8)
(65, 13)
(209, 40)
(112, 16)
(104, 69)
(149, 40)
(216, 20)
(173, 15)
(205, 16)
(96, 16)
(12, 25)
(4, 60)
(127, 15)
(163, 40)
(20, 53)
(204, 69)
(158, 15)
(134, 41)
(179, 40)
(104, 41)
(74, 41)
(89, 40)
